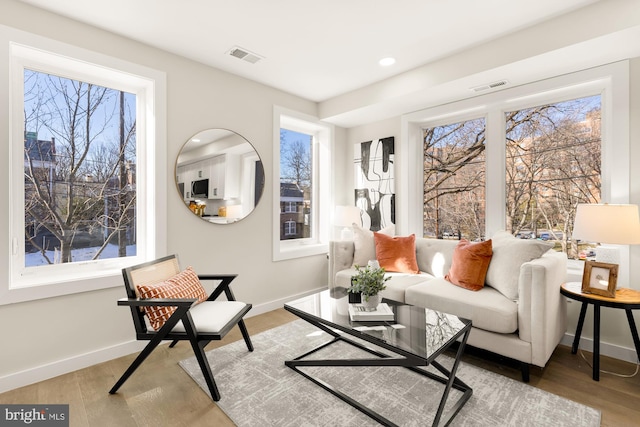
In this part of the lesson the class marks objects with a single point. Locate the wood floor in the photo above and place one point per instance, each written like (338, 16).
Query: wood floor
(161, 394)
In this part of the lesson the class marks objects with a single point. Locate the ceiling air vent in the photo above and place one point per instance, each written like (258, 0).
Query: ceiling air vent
(489, 86)
(244, 54)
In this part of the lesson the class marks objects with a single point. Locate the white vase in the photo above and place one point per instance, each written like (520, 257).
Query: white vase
(372, 303)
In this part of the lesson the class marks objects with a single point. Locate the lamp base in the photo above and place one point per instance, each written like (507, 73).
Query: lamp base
(608, 254)
(346, 234)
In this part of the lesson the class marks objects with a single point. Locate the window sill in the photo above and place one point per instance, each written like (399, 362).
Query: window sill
(299, 250)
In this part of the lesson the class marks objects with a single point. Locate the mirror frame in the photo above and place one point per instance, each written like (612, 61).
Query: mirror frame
(206, 161)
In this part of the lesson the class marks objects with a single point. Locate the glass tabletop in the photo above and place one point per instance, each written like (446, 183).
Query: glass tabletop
(424, 333)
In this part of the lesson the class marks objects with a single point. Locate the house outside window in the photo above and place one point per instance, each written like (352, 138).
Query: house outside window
(86, 163)
(302, 148)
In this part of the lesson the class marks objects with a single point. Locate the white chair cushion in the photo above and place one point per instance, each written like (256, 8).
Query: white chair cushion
(212, 316)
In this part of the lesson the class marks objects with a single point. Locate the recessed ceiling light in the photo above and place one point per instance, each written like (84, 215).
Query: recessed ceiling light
(195, 140)
(385, 62)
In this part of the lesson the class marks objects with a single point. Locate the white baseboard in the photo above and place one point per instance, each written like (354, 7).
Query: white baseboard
(60, 367)
(606, 349)
(279, 303)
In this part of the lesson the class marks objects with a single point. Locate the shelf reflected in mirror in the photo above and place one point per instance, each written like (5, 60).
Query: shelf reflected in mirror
(219, 176)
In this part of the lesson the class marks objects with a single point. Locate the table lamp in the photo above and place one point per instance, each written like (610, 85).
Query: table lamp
(345, 217)
(608, 224)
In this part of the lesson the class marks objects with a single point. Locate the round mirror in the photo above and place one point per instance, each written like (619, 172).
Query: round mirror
(219, 176)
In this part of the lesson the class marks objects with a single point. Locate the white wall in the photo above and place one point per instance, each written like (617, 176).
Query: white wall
(55, 335)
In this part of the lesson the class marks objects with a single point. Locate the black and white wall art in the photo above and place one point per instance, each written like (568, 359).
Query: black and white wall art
(374, 182)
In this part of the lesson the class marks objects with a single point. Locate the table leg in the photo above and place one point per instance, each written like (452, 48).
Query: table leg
(576, 339)
(596, 342)
(634, 332)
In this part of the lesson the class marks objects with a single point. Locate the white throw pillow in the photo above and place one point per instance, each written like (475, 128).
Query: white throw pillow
(509, 253)
(365, 247)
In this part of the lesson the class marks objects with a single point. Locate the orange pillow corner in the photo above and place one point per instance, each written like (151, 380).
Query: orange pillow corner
(397, 254)
(469, 264)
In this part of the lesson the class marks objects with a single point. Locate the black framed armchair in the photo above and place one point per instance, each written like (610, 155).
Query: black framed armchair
(169, 304)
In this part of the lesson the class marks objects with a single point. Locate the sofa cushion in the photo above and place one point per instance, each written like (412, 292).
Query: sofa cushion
(396, 253)
(434, 255)
(509, 253)
(469, 264)
(488, 309)
(364, 246)
(396, 286)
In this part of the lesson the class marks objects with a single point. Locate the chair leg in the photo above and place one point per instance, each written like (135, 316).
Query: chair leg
(173, 344)
(245, 334)
(201, 357)
(135, 364)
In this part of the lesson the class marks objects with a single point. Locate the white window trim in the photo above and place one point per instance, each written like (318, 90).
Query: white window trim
(20, 49)
(322, 184)
(610, 81)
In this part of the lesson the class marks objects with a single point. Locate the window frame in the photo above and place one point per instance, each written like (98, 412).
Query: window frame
(610, 81)
(323, 135)
(25, 50)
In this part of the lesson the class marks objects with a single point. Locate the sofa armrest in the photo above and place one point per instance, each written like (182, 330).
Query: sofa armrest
(340, 258)
(542, 312)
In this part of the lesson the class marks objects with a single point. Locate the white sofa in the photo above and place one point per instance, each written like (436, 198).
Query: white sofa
(519, 313)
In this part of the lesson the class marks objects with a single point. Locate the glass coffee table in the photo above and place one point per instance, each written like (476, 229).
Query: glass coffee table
(415, 338)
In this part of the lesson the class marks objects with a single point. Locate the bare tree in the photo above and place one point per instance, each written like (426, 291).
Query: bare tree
(296, 161)
(552, 164)
(84, 169)
(453, 181)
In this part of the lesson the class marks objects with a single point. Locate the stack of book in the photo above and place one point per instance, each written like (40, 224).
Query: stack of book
(382, 313)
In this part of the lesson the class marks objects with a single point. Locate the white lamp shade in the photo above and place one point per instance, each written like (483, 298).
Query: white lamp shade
(346, 216)
(606, 223)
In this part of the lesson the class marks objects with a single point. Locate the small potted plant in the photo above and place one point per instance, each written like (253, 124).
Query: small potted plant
(368, 282)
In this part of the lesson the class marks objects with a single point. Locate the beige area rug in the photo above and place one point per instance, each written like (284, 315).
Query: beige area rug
(259, 390)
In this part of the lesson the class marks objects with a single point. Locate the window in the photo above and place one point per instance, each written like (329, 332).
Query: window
(79, 171)
(547, 146)
(302, 192)
(86, 161)
(289, 207)
(454, 180)
(553, 162)
(290, 228)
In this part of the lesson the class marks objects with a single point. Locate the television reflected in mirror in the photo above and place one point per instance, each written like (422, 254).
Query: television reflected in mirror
(219, 176)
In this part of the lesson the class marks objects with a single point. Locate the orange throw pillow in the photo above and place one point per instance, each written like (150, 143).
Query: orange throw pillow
(469, 264)
(396, 253)
(181, 286)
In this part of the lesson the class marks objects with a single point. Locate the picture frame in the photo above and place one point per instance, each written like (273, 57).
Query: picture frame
(600, 278)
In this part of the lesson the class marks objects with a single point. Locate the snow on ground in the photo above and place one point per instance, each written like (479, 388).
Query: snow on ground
(84, 254)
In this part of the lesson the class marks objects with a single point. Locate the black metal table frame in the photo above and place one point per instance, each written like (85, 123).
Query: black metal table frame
(406, 360)
(586, 300)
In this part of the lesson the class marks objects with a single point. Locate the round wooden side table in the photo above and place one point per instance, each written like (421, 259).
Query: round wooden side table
(626, 299)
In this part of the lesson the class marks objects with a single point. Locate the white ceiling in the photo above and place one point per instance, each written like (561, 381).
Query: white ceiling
(317, 50)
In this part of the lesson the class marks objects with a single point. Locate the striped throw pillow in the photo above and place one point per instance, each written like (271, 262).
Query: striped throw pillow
(183, 285)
